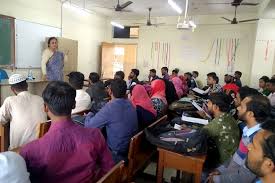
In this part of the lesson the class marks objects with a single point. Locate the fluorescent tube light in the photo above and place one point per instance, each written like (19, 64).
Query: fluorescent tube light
(79, 10)
(117, 25)
(175, 6)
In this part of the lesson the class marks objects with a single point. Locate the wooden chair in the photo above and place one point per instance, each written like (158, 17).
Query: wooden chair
(44, 128)
(140, 152)
(190, 164)
(5, 137)
(114, 175)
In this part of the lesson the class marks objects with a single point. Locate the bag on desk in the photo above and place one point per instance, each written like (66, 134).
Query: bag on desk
(186, 141)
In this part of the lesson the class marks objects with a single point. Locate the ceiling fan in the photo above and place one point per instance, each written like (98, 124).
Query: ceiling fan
(118, 7)
(235, 21)
(238, 3)
(149, 22)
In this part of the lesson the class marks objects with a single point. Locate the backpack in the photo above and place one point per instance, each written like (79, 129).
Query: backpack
(187, 142)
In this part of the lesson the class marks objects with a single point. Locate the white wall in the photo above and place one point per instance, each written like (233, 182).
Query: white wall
(188, 49)
(89, 30)
(264, 54)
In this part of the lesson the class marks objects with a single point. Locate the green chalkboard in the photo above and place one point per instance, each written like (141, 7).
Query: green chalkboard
(7, 41)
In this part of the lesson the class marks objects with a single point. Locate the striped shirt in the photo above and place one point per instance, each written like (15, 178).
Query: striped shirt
(247, 137)
(235, 170)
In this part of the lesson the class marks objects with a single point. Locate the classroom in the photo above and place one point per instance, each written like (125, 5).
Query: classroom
(137, 91)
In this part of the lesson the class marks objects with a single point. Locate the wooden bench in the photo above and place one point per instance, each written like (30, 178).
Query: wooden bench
(140, 152)
(114, 175)
(44, 128)
(190, 164)
(5, 137)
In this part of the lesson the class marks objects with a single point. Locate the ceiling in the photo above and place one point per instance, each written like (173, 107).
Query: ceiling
(161, 7)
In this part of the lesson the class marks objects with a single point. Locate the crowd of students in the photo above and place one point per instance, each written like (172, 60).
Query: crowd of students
(242, 131)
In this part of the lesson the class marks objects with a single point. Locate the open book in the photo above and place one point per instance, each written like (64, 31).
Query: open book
(199, 91)
(194, 120)
(200, 109)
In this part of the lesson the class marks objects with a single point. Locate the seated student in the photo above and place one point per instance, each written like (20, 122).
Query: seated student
(195, 75)
(229, 84)
(133, 78)
(238, 76)
(254, 110)
(223, 129)
(170, 92)
(177, 83)
(244, 91)
(184, 85)
(164, 73)
(82, 99)
(158, 97)
(13, 168)
(263, 85)
(145, 110)
(190, 81)
(213, 83)
(97, 92)
(119, 75)
(68, 152)
(152, 75)
(3, 74)
(120, 119)
(261, 153)
(271, 96)
(23, 111)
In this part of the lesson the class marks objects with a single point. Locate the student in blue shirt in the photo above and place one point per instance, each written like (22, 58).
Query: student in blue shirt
(119, 117)
(261, 153)
(3, 74)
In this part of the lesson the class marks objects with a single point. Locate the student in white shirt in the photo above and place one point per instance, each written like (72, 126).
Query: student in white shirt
(13, 168)
(24, 112)
(82, 99)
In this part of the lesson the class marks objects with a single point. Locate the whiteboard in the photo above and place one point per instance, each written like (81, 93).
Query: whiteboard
(30, 38)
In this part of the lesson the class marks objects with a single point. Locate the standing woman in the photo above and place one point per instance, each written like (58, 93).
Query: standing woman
(52, 63)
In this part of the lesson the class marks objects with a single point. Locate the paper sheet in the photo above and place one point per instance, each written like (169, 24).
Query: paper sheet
(194, 120)
(202, 92)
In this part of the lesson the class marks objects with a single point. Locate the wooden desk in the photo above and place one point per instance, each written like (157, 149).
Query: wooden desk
(190, 164)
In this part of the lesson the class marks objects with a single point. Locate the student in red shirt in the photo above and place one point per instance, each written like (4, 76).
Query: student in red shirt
(229, 84)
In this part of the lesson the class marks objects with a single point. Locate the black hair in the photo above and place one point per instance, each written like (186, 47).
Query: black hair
(59, 96)
(188, 73)
(136, 72)
(175, 71)
(94, 77)
(246, 91)
(22, 86)
(221, 100)
(50, 39)
(165, 68)
(153, 71)
(239, 73)
(215, 78)
(260, 106)
(268, 144)
(211, 74)
(265, 79)
(272, 81)
(76, 80)
(118, 88)
(119, 75)
(107, 83)
(196, 72)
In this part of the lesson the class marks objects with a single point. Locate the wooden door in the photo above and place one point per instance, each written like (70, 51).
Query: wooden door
(117, 57)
